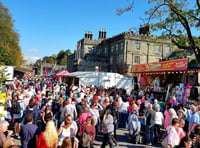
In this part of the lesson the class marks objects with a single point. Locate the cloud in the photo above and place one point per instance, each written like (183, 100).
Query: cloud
(30, 59)
(33, 50)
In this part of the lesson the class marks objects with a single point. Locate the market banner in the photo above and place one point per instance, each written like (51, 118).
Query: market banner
(172, 65)
(2, 103)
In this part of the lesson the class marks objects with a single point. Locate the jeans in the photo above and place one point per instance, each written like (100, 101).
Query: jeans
(123, 119)
(107, 138)
(149, 133)
(156, 132)
(115, 128)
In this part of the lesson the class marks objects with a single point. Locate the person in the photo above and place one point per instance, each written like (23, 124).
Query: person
(186, 142)
(174, 103)
(95, 114)
(196, 137)
(108, 128)
(67, 143)
(179, 130)
(17, 116)
(79, 107)
(28, 132)
(70, 109)
(48, 138)
(194, 120)
(134, 125)
(89, 128)
(65, 131)
(3, 128)
(10, 143)
(167, 116)
(173, 137)
(83, 116)
(46, 116)
(123, 118)
(158, 122)
(150, 117)
(172, 114)
(115, 113)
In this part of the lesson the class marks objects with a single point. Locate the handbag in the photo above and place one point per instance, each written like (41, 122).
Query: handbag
(86, 138)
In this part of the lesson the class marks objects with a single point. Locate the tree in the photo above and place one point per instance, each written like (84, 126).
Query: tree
(3, 76)
(10, 51)
(176, 19)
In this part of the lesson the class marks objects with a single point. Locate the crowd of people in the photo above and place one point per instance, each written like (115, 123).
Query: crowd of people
(45, 113)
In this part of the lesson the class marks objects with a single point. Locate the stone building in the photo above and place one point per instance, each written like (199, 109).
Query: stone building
(127, 47)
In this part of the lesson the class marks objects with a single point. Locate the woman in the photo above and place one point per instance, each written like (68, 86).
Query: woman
(89, 129)
(172, 114)
(46, 116)
(157, 123)
(186, 142)
(65, 131)
(180, 130)
(83, 116)
(67, 143)
(95, 114)
(48, 138)
(172, 137)
(167, 116)
(3, 128)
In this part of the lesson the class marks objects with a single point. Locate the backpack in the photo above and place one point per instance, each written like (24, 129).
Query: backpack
(15, 107)
(86, 138)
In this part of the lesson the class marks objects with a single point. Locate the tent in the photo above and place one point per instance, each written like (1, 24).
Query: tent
(106, 79)
(61, 73)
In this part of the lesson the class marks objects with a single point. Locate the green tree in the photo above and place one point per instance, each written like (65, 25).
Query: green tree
(176, 19)
(10, 51)
(3, 76)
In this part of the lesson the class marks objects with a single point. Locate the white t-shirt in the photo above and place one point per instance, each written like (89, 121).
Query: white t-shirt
(124, 107)
(158, 118)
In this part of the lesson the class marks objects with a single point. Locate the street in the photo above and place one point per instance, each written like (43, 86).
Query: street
(122, 135)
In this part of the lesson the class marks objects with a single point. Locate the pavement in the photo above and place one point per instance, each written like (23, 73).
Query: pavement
(122, 140)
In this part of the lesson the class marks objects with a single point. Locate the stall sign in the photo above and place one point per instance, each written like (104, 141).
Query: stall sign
(173, 65)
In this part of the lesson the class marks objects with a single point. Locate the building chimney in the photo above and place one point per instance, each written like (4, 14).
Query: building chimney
(104, 34)
(86, 34)
(100, 34)
(91, 35)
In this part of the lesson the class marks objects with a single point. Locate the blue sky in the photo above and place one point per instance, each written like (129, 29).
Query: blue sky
(47, 26)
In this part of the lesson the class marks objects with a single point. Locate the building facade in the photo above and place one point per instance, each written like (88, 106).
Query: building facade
(127, 48)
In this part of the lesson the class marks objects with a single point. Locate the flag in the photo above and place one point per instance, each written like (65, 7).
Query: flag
(46, 71)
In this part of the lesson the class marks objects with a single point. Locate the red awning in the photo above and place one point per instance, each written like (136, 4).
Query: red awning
(64, 72)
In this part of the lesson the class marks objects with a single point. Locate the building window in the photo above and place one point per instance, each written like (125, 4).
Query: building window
(122, 45)
(137, 59)
(167, 49)
(157, 49)
(157, 59)
(112, 48)
(105, 50)
(116, 47)
(137, 45)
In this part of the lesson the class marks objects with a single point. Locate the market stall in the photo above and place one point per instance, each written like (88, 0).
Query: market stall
(167, 77)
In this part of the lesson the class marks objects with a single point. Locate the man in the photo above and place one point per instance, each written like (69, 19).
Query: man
(108, 128)
(28, 132)
(70, 109)
(194, 119)
(150, 116)
(79, 106)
